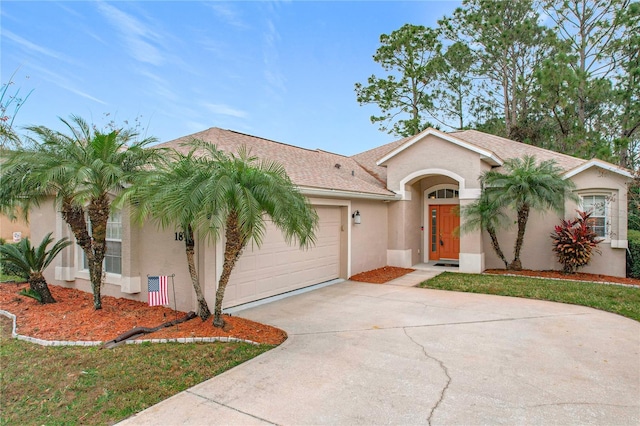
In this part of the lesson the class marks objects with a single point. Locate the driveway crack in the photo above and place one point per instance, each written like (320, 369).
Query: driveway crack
(199, 395)
(445, 370)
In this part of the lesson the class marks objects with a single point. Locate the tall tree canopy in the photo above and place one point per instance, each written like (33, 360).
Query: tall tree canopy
(559, 74)
(402, 96)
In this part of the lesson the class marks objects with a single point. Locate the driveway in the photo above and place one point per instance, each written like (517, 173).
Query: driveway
(383, 354)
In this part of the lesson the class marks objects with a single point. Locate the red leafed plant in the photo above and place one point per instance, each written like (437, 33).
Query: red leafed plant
(575, 242)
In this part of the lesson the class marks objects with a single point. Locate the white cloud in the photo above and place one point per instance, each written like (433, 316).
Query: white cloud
(139, 38)
(274, 77)
(222, 109)
(33, 47)
(229, 14)
(64, 82)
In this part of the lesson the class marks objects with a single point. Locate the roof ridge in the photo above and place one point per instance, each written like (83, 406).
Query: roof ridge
(332, 153)
(261, 138)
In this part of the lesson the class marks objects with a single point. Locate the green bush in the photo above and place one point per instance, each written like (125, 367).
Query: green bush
(633, 254)
(8, 268)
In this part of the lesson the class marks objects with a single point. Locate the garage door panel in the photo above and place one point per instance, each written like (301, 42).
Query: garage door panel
(276, 267)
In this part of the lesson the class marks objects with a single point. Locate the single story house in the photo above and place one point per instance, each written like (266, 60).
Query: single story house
(392, 205)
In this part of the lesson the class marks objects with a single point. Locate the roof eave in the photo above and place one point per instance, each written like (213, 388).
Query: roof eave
(598, 163)
(486, 155)
(338, 193)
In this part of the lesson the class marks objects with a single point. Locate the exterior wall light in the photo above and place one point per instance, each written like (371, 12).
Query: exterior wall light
(356, 217)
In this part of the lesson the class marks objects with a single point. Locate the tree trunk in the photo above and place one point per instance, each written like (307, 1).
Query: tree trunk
(94, 245)
(189, 242)
(99, 210)
(523, 217)
(233, 249)
(38, 284)
(496, 246)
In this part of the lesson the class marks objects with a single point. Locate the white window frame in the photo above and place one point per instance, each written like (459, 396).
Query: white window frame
(111, 277)
(445, 186)
(607, 211)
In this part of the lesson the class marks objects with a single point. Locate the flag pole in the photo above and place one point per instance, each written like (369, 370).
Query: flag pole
(175, 302)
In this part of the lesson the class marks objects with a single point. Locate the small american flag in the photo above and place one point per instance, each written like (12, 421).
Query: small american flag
(158, 294)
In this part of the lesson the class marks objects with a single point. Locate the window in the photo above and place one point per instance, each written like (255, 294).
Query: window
(597, 206)
(113, 256)
(443, 194)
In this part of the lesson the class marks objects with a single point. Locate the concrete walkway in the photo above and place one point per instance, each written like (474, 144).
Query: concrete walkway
(391, 354)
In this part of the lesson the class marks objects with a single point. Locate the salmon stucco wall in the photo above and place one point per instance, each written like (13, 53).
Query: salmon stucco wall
(537, 250)
(433, 153)
(8, 227)
(405, 233)
(369, 238)
(598, 181)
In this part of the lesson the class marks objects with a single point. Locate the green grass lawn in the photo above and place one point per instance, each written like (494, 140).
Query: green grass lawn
(73, 385)
(611, 298)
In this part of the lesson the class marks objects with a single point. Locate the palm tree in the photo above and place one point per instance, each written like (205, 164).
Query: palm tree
(174, 196)
(83, 171)
(484, 214)
(32, 261)
(236, 193)
(524, 185)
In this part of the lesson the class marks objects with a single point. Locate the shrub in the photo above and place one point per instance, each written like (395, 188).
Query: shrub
(8, 268)
(574, 242)
(633, 254)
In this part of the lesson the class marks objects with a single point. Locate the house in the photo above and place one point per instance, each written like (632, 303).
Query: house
(393, 205)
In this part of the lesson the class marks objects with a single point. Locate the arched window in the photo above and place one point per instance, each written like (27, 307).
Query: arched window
(443, 193)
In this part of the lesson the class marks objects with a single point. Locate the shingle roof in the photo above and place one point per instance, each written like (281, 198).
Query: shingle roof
(319, 169)
(306, 168)
(369, 158)
(506, 148)
(501, 147)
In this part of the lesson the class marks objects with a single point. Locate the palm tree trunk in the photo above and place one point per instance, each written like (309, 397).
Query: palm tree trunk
(496, 246)
(94, 245)
(203, 308)
(523, 217)
(233, 248)
(99, 210)
(38, 284)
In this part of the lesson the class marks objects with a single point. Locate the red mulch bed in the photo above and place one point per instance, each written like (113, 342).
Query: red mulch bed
(381, 275)
(73, 318)
(578, 276)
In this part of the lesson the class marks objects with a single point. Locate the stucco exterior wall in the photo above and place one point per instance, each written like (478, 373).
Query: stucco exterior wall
(435, 154)
(159, 253)
(8, 227)
(369, 238)
(537, 250)
(598, 181)
(404, 229)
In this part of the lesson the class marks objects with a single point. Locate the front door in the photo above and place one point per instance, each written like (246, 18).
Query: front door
(444, 220)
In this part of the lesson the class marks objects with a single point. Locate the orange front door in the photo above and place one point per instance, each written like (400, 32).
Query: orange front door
(443, 220)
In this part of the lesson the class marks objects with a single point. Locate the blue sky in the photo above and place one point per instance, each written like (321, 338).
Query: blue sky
(279, 70)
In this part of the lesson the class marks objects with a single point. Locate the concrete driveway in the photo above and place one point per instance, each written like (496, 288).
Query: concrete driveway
(381, 354)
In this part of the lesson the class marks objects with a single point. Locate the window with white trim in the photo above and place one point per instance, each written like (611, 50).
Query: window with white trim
(113, 255)
(444, 193)
(597, 206)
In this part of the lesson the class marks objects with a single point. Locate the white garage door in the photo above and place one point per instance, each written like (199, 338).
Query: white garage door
(276, 267)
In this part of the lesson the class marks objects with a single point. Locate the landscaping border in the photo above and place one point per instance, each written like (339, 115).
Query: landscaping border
(43, 342)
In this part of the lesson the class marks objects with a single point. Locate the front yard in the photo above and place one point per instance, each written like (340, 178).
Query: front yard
(618, 299)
